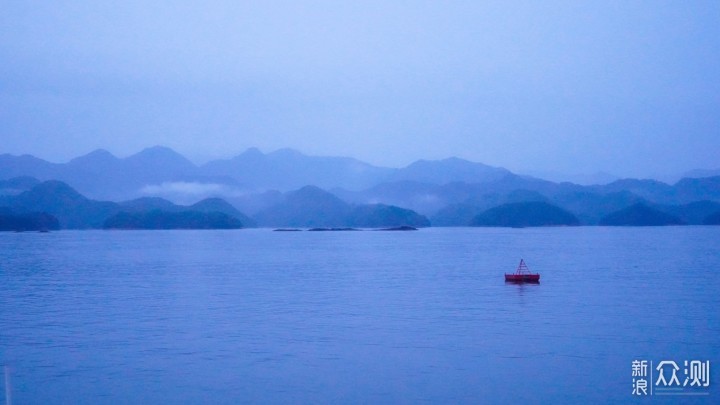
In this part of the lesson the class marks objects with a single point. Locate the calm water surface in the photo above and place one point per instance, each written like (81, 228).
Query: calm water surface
(353, 317)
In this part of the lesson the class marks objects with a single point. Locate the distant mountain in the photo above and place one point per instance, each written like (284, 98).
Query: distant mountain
(689, 190)
(381, 215)
(700, 173)
(158, 219)
(308, 207)
(154, 171)
(449, 170)
(287, 169)
(651, 190)
(99, 160)
(525, 214)
(209, 205)
(98, 174)
(26, 165)
(591, 206)
(156, 163)
(712, 219)
(312, 207)
(17, 185)
(450, 190)
(252, 203)
(452, 204)
(149, 204)
(162, 162)
(421, 197)
(640, 215)
(599, 178)
(101, 175)
(75, 211)
(682, 192)
(71, 208)
(32, 221)
(694, 213)
(429, 199)
(461, 214)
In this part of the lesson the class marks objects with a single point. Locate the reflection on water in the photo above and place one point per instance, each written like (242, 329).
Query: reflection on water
(522, 288)
(261, 316)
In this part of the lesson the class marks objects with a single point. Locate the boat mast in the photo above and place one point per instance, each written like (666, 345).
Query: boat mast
(522, 267)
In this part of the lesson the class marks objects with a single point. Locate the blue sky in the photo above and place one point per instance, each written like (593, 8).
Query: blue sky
(631, 88)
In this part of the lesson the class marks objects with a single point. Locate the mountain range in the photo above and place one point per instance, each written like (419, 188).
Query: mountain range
(312, 207)
(288, 188)
(306, 207)
(161, 171)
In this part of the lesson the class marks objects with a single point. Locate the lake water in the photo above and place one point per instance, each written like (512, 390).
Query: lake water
(353, 317)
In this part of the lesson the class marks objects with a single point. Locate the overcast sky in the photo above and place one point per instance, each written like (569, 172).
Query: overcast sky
(629, 87)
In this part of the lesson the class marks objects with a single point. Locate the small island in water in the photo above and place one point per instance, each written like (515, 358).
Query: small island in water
(399, 228)
(396, 228)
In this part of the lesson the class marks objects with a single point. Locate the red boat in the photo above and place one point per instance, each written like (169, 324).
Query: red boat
(522, 275)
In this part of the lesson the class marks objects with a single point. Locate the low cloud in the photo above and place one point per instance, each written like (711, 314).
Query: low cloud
(182, 187)
(184, 192)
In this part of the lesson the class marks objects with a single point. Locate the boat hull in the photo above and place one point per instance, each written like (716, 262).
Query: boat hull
(522, 278)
